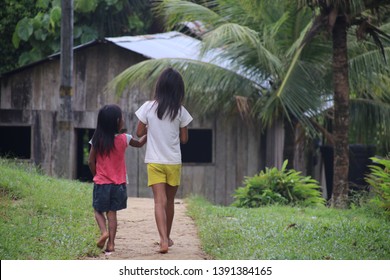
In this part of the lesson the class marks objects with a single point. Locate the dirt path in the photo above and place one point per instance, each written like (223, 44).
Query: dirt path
(137, 234)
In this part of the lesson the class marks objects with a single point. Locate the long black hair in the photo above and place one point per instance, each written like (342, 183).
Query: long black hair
(169, 93)
(107, 126)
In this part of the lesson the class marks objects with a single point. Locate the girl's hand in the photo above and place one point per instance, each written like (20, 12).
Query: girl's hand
(138, 143)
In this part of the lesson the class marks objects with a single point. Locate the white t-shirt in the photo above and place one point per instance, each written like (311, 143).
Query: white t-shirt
(163, 143)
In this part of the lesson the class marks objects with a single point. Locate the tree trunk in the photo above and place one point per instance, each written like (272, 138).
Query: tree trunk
(66, 61)
(341, 114)
(64, 156)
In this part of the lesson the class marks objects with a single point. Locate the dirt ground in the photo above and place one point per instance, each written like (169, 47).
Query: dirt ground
(137, 234)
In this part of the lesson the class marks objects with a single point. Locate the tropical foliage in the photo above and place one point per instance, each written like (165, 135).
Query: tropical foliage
(10, 13)
(259, 40)
(379, 180)
(339, 17)
(283, 62)
(273, 186)
(93, 19)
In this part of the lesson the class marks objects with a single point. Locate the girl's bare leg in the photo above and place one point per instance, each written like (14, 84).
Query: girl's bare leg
(170, 209)
(160, 204)
(101, 221)
(112, 227)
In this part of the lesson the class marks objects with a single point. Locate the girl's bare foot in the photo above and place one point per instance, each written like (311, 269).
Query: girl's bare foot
(163, 248)
(109, 249)
(170, 243)
(110, 246)
(102, 240)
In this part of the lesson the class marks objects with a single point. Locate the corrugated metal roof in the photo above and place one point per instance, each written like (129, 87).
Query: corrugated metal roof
(155, 46)
(175, 45)
(162, 45)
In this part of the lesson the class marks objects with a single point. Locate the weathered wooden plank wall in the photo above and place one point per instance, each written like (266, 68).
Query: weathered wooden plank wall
(233, 159)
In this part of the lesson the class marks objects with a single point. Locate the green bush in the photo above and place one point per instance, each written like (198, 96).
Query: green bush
(273, 186)
(379, 180)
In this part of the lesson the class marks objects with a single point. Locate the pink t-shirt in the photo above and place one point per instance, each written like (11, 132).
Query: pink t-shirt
(111, 169)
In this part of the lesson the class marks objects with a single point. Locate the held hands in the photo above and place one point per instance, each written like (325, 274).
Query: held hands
(143, 139)
(138, 143)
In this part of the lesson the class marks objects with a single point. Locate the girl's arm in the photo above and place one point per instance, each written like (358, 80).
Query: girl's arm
(183, 135)
(138, 143)
(141, 129)
(92, 161)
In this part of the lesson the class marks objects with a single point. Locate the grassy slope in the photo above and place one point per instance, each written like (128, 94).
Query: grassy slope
(42, 217)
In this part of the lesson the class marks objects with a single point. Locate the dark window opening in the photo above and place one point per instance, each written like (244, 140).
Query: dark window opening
(15, 142)
(199, 148)
(83, 147)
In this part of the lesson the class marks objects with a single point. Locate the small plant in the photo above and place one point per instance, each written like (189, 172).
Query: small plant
(273, 186)
(379, 180)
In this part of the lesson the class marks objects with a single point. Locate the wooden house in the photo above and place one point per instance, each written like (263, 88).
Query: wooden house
(220, 153)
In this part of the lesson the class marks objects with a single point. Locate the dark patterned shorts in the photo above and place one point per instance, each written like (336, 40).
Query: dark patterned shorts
(109, 197)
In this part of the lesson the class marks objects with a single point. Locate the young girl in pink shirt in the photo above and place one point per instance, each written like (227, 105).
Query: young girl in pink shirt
(107, 164)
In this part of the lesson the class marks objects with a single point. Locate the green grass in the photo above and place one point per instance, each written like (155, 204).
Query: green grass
(46, 218)
(43, 218)
(290, 233)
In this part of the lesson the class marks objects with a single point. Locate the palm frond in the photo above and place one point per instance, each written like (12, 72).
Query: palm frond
(251, 13)
(209, 87)
(242, 47)
(300, 93)
(352, 6)
(370, 121)
(176, 12)
(366, 69)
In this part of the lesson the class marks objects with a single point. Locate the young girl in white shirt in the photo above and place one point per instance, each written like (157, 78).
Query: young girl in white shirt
(164, 120)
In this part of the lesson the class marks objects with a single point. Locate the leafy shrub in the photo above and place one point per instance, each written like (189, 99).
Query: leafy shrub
(273, 186)
(379, 180)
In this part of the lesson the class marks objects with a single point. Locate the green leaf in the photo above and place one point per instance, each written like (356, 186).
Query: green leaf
(77, 32)
(29, 57)
(37, 21)
(55, 15)
(85, 6)
(111, 2)
(46, 21)
(15, 40)
(24, 29)
(43, 4)
(88, 35)
(40, 35)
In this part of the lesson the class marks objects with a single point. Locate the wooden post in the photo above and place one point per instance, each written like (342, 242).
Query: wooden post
(64, 143)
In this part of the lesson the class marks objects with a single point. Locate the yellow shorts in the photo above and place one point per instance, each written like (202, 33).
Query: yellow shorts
(164, 173)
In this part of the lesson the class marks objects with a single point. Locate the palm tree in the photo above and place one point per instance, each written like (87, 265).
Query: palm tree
(260, 41)
(338, 16)
(278, 67)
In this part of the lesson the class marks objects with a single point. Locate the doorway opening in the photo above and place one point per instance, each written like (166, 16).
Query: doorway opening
(83, 136)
